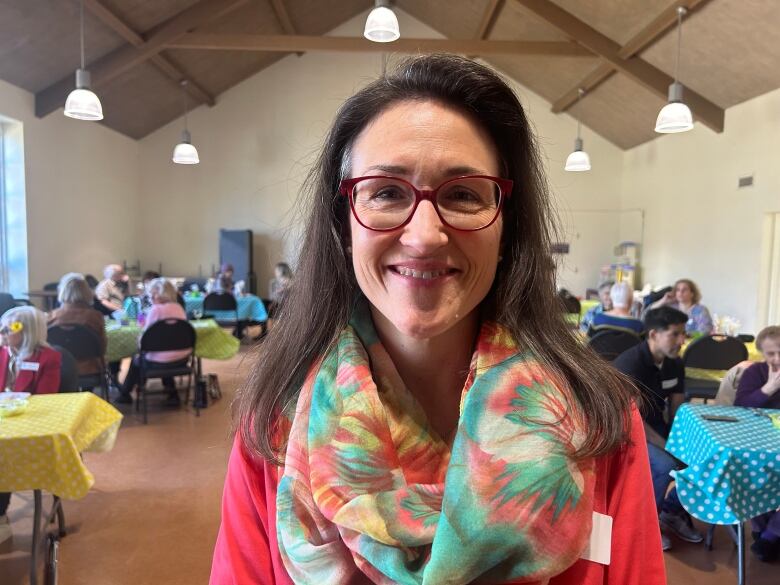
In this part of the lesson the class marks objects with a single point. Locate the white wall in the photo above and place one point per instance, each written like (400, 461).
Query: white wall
(256, 146)
(82, 191)
(698, 224)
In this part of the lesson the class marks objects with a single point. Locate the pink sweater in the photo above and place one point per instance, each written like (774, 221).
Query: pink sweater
(158, 313)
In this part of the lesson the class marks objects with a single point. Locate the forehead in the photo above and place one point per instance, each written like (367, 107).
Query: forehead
(424, 139)
(770, 343)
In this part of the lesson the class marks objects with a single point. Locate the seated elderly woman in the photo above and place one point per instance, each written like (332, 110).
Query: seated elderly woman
(759, 387)
(164, 306)
(605, 304)
(622, 296)
(27, 364)
(76, 308)
(112, 290)
(686, 297)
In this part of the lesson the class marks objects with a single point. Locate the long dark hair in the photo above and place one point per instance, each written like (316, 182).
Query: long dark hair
(522, 298)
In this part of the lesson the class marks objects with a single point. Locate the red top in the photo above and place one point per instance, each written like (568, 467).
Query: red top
(247, 553)
(38, 374)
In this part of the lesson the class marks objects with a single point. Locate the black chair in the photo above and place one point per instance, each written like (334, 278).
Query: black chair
(711, 352)
(223, 301)
(69, 370)
(9, 302)
(51, 302)
(610, 342)
(166, 335)
(84, 344)
(91, 281)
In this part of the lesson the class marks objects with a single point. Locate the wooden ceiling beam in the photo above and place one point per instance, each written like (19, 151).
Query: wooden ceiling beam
(295, 43)
(284, 18)
(117, 62)
(640, 71)
(162, 63)
(635, 45)
(489, 19)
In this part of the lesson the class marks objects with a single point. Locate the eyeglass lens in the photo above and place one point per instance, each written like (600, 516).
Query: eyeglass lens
(383, 203)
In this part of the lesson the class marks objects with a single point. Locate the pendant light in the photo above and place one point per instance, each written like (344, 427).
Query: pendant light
(381, 24)
(82, 103)
(675, 116)
(578, 160)
(185, 153)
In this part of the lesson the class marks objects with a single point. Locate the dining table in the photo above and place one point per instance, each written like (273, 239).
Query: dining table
(732, 456)
(41, 448)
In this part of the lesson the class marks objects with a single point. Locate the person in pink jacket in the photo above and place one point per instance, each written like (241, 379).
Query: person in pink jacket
(164, 306)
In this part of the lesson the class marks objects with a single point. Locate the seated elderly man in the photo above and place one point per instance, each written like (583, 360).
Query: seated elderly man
(111, 291)
(605, 304)
(622, 296)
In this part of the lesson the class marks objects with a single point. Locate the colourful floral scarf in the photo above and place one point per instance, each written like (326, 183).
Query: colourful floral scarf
(370, 494)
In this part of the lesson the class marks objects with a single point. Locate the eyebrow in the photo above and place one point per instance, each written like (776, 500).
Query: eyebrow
(449, 172)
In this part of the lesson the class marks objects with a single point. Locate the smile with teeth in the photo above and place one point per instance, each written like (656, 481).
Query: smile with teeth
(424, 274)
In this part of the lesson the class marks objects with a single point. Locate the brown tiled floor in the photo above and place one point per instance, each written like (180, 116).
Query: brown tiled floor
(152, 516)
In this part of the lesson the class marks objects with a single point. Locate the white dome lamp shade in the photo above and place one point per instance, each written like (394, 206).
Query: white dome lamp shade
(578, 161)
(82, 103)
(185, 153)
(675, 116)
(382, 24)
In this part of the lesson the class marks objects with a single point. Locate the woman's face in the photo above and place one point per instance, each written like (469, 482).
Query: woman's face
(424, 277)
(770, 349)
(10, 339)
(683, 293)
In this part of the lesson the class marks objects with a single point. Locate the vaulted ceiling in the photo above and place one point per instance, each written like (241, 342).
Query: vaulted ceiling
(620, 52)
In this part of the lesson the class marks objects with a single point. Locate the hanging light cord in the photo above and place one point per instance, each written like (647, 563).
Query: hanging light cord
(184, 98)
(82, 34)
(580, 93)
(680, 11)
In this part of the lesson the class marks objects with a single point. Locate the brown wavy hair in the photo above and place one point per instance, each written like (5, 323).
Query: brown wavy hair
(522, 298)
(695, 292)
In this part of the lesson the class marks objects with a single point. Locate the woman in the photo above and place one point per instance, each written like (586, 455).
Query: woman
(759, 387)
(225, 279)
(685, 296)
(434, 418)
(27, 364)
(76, 308)
(622, 296)
(164, 306)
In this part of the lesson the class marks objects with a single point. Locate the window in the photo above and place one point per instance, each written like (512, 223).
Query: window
(13, 211)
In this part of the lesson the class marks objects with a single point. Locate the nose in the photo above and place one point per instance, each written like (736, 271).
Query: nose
(425, 233)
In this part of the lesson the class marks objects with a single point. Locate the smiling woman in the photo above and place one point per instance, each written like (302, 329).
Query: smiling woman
(421, 413)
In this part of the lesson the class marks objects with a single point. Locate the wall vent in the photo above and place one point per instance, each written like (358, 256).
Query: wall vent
(745, 181)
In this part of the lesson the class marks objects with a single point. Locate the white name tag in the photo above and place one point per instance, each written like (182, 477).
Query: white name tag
(599, 549)
(29, 366)
(666, 384)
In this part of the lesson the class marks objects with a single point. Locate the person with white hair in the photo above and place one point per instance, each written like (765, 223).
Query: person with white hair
(619, 317)
(111, 291)
(164, 306)
(27, 364)
(76, 308)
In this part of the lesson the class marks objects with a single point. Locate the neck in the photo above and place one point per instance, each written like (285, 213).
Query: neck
(658, 356)
(433, 369)
(620, 311)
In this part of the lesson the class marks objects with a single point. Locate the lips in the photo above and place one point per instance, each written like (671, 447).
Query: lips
(422, 272)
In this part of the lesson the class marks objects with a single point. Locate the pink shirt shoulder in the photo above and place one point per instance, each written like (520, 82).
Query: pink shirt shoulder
(158, 312)
(247, 552)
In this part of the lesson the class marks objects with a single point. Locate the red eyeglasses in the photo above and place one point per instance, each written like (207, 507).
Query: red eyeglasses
(467, 203)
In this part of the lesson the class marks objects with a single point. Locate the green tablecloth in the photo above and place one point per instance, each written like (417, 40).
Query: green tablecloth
(212, 342)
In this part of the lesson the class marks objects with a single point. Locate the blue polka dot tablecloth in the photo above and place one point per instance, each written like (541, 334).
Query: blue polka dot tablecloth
(250, 308)
(733, 471)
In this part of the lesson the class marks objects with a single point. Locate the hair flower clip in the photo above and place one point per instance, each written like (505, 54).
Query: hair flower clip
(16, 327)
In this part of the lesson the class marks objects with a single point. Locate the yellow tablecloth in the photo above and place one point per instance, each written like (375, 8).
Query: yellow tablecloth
(40, 448)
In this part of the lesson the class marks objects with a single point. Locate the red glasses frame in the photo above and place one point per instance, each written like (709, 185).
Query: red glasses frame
(347, 187)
